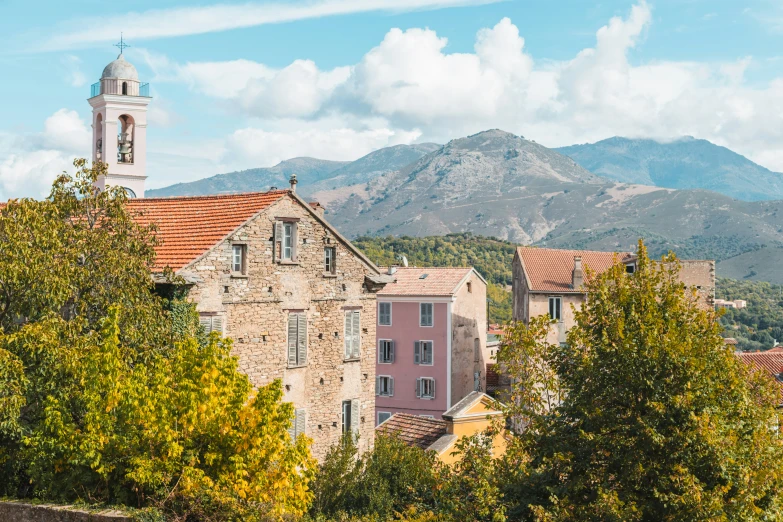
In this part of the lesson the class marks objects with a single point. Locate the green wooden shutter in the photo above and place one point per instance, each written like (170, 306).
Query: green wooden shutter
(417, 352)
(277, 245)
(301, 421)
(355, 416)
(348, 335)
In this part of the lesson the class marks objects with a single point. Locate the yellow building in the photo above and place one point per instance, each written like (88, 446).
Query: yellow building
(470, 416)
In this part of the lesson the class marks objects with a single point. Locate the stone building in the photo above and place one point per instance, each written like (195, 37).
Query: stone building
(297, 299)
(549, 281)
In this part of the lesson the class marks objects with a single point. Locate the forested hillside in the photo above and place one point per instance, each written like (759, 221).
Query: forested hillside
(755, 327)
(761, 323)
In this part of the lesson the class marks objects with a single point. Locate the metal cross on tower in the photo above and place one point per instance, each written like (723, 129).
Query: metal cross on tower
(122, 45)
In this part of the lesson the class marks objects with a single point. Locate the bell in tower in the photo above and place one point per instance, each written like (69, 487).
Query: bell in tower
(125, 139)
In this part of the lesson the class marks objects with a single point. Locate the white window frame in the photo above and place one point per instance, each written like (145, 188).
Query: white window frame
(381, 358)
(558, 307)
(384, 413)
(432, 316)
(420, 388)
(421, 353)
(389, 386)
(330, 260)
(379, 313)
(288, 235)
(241, 248)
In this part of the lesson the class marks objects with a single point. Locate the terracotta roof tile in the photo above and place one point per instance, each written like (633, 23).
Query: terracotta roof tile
(550, 269)
(189, 226)
(770, 363)
(439, 281)
(413, 430)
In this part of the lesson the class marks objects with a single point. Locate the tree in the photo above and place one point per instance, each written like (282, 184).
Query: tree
(104, 399)
(658, 421)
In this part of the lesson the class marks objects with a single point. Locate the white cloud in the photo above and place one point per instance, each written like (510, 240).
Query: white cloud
(181, 21)
(29, 163)
(73, 72)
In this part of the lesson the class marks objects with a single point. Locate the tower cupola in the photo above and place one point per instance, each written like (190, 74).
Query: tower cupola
(119, 125)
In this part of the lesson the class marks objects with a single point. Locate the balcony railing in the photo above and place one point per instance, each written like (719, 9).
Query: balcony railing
(144, 90)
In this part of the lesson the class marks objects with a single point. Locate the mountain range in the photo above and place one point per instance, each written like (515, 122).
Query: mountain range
(497, 184)
(685, 163)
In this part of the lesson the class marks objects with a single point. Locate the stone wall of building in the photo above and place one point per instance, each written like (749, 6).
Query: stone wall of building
(469, 331)
(700, 276)
(255, 309)
(20, 512)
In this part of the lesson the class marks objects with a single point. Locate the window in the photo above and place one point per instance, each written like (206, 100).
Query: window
(555, 304)
(383, 416)
(425, 388)
(384, 386)
(238, 259)
(211, 323)
(352, 334)
(285, 241)
(470, 287)
(297, 339)
(422, 353)
(384, 314)
(329, 259)
(299, 424)
(476, 350)
(385, 351)
(629, 269)
(351, 416)
(125, 88)
(425, 314)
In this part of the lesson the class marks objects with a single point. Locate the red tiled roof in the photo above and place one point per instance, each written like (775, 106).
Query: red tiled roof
(189, 226)
(776, 349)
(551, 269)
(772, 363)
(413, 430)
(440, 281)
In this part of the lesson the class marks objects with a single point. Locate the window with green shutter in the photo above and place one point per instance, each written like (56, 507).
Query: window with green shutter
(297, 339)
(352, 334)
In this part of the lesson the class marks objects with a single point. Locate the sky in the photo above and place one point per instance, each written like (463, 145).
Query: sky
(238, 85)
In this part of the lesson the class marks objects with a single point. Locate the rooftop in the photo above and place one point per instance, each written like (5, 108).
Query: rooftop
(551, 269)
(187, 227)
(427, 281)
(412, 429)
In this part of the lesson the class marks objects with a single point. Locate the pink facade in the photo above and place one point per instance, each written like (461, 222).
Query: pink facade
(404, 332)
(450, 362)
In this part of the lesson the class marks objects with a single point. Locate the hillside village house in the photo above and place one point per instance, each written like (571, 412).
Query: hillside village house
(265, 269)
(549, 281)
(431, 339)
(473, 414)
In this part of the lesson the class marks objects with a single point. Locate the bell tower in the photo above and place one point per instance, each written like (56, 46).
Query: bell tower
(119, 126)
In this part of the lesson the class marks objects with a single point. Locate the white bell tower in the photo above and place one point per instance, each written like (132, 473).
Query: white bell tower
(119, 126)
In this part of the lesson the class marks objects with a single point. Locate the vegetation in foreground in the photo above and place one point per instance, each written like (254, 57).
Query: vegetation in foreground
(111, 394)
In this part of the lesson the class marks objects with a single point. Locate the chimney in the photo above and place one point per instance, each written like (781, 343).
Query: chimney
(392, 270)
(577, 277)
(316, 206)
(293, 182)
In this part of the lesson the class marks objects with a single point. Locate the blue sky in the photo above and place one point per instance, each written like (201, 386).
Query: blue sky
(239, 85)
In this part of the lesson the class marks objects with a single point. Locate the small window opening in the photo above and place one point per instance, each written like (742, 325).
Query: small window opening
(125, 88)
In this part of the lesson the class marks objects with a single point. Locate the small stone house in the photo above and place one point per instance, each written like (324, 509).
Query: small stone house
(549, 281)
(297, 299)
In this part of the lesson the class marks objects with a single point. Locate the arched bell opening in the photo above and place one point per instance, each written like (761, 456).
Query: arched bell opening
(125, 139)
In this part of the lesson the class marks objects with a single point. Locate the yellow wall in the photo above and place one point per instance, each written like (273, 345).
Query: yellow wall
(471, 422)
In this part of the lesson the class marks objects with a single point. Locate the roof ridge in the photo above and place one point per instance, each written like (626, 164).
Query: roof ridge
(210, 196)
(530, 247)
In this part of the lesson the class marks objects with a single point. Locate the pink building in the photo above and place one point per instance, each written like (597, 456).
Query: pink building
(431, 336)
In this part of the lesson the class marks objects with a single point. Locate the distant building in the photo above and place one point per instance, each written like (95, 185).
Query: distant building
(737, 303)
(430, 340)
(470, 416)
(549, 281)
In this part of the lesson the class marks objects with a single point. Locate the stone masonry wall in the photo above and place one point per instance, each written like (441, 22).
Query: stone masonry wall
(256, 307)
(20, 512)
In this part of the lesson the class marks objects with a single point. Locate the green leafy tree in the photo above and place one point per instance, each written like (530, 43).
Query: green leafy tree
(391, 480)
(659, 421)
(110, 393)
